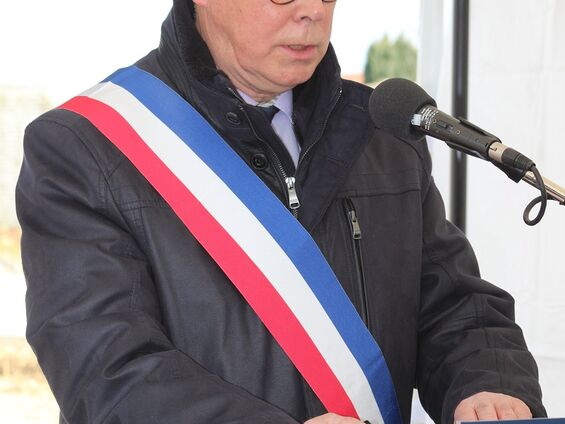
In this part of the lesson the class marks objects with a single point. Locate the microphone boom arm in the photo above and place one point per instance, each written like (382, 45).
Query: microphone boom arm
(462, 135)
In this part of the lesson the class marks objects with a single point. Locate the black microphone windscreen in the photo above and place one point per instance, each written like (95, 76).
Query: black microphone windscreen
(394, 102)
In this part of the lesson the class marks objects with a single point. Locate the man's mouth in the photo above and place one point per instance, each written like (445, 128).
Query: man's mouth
(301, 51)
(298, 46)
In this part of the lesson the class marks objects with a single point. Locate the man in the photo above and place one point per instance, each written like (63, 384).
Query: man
(132, 320)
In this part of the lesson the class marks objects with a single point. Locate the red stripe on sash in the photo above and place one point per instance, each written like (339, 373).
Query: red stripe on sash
(240, 269)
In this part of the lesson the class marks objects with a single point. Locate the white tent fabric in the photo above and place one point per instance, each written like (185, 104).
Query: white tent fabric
(516, 91)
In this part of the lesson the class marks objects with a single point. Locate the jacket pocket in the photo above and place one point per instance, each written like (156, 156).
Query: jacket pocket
(355, 237)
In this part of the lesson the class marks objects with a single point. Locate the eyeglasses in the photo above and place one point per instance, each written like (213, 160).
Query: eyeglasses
(283, 2)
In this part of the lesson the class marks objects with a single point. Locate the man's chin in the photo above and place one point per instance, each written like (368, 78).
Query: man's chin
(297, 77)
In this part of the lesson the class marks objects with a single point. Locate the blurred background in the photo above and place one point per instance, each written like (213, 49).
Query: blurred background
(54, 50)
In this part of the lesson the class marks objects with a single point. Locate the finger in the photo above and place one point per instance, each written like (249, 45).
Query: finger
(465, 412)
(509, 408)
(504, 410)
(485, 410)
(521, 409)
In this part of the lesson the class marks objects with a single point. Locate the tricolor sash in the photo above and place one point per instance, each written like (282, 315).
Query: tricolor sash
(261, 247)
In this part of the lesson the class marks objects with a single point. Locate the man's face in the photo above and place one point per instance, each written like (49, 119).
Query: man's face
(266, 48)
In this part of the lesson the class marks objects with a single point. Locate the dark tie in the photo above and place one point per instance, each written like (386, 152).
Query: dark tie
(283, 128)
(268, 112)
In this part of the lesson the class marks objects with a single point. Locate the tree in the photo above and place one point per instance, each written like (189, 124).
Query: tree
(386, 60)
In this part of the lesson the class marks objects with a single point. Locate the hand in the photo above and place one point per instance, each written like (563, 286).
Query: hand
(491, 406)
(332, 419)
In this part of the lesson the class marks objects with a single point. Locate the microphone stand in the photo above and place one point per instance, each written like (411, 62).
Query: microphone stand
(554, 191)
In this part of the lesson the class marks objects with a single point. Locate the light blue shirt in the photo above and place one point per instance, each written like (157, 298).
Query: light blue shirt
(282, 122)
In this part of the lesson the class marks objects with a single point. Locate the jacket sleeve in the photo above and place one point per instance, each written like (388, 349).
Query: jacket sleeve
(468, 340)
(94, 318)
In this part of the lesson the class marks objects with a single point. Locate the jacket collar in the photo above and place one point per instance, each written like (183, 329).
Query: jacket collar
(193, 67)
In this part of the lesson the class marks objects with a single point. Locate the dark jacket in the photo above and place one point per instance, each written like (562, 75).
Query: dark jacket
(132, 322)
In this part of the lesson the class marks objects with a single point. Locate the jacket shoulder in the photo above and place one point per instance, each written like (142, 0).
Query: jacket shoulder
(356, 92)
(63, 132)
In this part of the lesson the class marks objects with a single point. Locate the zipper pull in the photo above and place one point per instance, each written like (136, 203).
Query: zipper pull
(355, 227)
(293, 202)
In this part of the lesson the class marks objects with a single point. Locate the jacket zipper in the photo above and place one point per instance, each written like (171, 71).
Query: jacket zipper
(293, 201)
(292, 194)
(355, 231)
(289, 183)
(322, 128)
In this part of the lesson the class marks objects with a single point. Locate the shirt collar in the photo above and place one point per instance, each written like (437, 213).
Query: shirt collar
(283, 102)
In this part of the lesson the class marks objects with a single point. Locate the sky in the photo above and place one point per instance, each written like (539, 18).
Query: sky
(65, 46)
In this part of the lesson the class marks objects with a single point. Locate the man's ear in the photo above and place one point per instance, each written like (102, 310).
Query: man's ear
(201, 3)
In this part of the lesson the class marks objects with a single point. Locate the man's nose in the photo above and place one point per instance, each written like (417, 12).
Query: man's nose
(313, 10)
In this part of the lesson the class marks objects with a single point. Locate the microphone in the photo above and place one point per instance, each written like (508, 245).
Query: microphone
(404, 109)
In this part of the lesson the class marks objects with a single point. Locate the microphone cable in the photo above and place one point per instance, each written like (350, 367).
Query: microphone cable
(542, 200)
